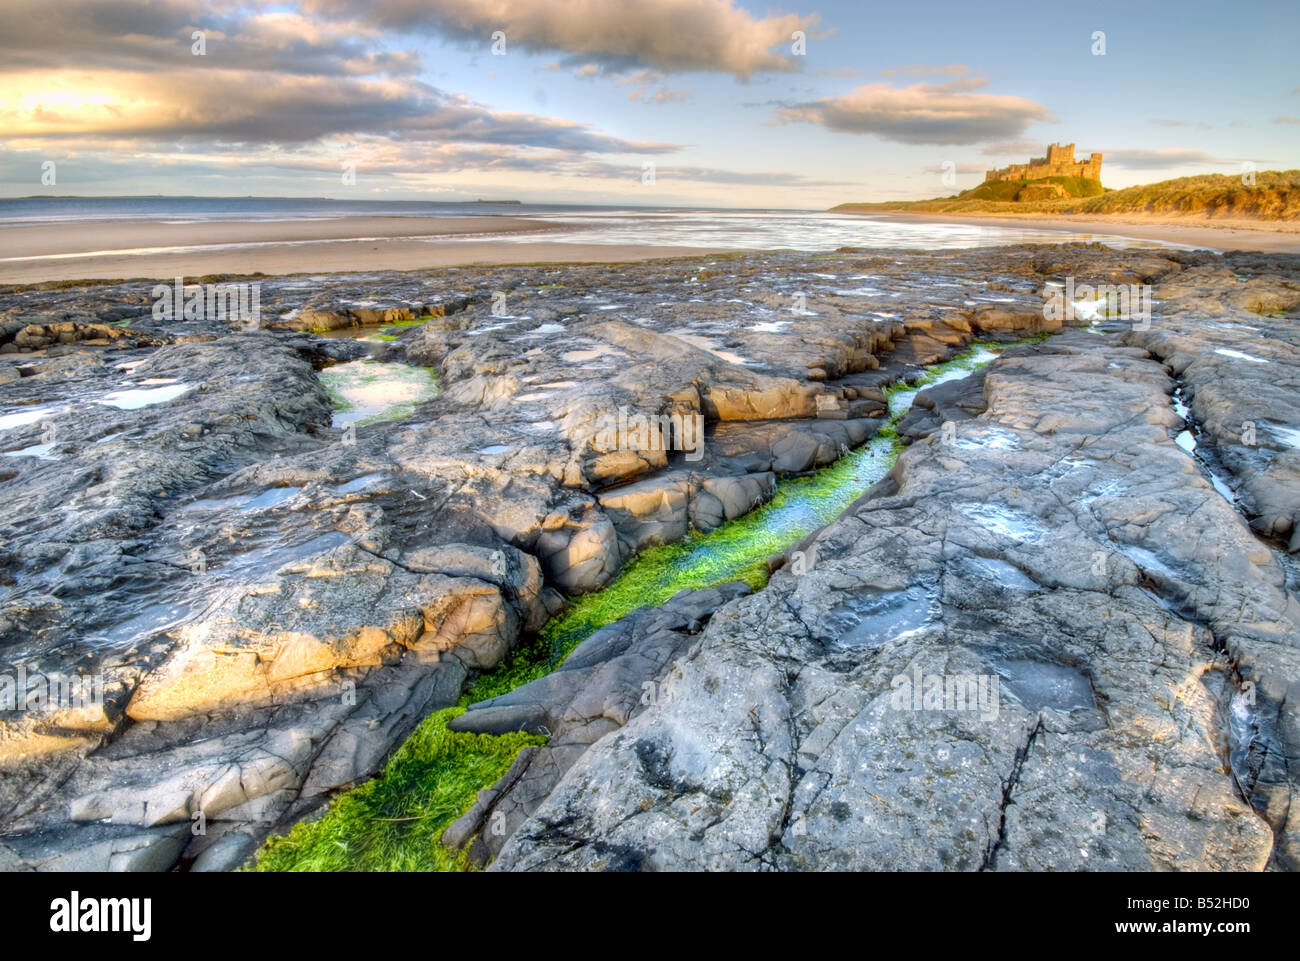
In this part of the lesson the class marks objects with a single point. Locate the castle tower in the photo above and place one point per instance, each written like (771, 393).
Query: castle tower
(1060, 154)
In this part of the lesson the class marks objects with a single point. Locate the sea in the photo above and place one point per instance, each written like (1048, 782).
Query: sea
(731, 229)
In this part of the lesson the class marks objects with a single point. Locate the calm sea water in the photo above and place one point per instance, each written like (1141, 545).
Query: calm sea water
(652, 226)
(39, 210)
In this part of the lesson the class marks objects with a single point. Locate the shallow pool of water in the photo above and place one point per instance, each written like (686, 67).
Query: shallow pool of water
(133, 398)
(370, 391)
(39, 451)
(1239, 355)
(28, 415)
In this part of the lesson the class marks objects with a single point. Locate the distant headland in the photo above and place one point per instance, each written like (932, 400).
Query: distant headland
(1059, 185)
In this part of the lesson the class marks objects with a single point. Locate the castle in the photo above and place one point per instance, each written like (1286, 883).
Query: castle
(1059, 162)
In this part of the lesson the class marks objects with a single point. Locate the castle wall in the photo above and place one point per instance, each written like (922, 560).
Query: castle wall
(1059, 162)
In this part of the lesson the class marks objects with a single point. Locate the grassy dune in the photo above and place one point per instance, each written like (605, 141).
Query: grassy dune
(1275, 195)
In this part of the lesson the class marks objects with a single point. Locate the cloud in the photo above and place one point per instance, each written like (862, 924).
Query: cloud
(289, 90)
(269, 108)
(643, 95)
(948, 113)
(1285, 119)
(1199, 124)
(711, 175)
(1022, 147)
(927, 70)
(669, 35)
(964, 168)
(714, 175)
(125, 72)
(641, 78)
(119, 34)
(1157, 159)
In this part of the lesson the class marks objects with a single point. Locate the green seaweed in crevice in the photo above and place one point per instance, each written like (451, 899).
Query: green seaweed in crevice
(739, 549)
(394, 822)
(438, 779)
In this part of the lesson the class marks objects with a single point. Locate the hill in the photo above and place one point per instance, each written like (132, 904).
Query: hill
(1275, 195)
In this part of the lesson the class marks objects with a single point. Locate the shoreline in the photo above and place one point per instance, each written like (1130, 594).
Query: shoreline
(115, 250)
(1263, 236)
(161, 250)
(340, 257)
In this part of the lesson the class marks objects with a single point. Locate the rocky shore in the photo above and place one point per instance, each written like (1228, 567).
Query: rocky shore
(275, 595)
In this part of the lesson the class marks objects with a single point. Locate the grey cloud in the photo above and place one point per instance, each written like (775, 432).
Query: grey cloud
(126, 35)
(1022, 147)
(709, 175)
(1157, 159)
(960, 168)
(1162, 122)
(927, 70)
(948, 113)
(260, 108)
(669, 35)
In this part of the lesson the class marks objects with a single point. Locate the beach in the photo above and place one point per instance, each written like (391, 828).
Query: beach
(116, 249)
(1267, 236)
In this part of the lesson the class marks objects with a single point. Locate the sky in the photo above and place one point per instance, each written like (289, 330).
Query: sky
(652, 102)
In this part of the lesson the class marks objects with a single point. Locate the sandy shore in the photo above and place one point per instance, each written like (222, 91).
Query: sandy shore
(121, 249)
(1262, 235)
(107, 250)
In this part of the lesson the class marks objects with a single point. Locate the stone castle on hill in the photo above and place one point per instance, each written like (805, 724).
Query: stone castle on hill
(1059, 162)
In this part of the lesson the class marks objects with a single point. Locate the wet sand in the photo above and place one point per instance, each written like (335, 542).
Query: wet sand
(1262, 235)
(114, 250)
(336, 257)
(132, 249)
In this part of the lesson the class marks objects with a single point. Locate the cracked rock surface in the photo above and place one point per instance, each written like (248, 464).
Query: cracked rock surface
(1116, 650)
(274, 603)
(1046, 547)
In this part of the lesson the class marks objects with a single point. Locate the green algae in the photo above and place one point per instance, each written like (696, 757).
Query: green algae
(370, 392)
(736, 551)
(438, 779)
(394, 822)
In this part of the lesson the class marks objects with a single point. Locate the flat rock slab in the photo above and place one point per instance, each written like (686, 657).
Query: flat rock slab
(272, 602)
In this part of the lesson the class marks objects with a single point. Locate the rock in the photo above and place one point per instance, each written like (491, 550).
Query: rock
(785, 744)
(320, 321)
(39, 336)
(581, 556)
(275, 603)
(740, 494)
(230, 851)
(605, 680)
(1241, 380)
(649, 512)
(954, 401)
